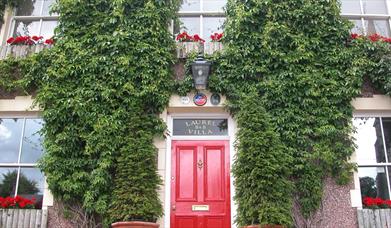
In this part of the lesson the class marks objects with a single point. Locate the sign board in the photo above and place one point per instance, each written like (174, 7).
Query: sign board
(200, 127)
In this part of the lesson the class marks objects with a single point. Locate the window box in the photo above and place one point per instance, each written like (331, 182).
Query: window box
(185, 48)
(21, 51)
(28, 218)
(374, 218)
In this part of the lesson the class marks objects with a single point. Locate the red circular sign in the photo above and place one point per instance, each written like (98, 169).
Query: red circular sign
(200, 99)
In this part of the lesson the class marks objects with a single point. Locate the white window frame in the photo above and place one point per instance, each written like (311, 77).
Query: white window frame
(201, 14)
(362, 17)
(387, 163)
(18, 165)
(15, 18)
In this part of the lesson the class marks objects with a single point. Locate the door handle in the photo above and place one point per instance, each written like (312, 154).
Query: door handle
(173, 207)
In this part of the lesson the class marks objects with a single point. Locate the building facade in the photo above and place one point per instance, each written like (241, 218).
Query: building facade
(195, 159)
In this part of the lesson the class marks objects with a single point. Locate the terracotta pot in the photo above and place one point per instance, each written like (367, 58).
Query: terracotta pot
(135, 224)
(264, 226)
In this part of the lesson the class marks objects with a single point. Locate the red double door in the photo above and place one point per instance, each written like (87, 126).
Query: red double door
(200, 184)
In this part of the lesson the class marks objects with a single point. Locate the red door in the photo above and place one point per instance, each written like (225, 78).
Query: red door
(200, 196)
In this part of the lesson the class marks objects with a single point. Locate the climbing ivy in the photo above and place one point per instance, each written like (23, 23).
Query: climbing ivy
(294, 54)
(101, 88)
(288, 70)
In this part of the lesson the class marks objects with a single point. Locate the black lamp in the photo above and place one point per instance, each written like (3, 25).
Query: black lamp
(200, 70)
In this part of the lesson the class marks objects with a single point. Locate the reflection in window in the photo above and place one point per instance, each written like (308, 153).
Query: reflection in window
(21, 148)
(33, 17)
(205, 18)
(189, 24)
(373, 182)
(369, 16)
(32, 141)
(374, 6)
(381, 27)
(8, 181)
(190, 5)
(370, 148)
(10, 136)
(373, 164)
(212, 25)
(387, 136)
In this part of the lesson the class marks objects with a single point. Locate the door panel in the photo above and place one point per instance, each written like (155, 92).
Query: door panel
(186, 221)
(214, 174)
(186, 174)
(200, 194)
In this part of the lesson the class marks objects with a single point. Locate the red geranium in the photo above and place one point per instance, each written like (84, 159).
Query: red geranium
(375, 37)
(16, 202)
(355, 36)
(49, 41)
(185, 37)
(216, 37)
(376, 202)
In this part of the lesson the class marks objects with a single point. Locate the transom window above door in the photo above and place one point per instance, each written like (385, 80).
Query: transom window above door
(202, 17)
(368, 16)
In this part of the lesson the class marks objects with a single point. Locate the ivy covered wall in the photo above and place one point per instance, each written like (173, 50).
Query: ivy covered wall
(290, 68)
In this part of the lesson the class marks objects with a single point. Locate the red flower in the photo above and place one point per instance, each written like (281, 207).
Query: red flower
(183, 37)
(36, 38)
(49, 41)
(10, 40)
(197, 38)
(216, 37)
(355, 36)
(375, 37)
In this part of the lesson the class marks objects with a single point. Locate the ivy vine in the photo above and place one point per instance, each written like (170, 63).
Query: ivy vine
(294, 55)
(288, 70)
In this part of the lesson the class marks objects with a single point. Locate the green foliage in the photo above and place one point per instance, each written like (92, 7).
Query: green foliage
(261, 168)
(101, 88)
(13, 74)
(293, 53)
(26, 186)
(8, 3)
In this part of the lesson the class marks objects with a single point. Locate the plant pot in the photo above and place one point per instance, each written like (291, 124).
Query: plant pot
(264, 226)
(135, 224)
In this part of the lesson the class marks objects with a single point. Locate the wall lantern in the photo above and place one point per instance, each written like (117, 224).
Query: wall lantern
(200, 70)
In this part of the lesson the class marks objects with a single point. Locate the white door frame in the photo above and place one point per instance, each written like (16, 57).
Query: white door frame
(231, 137)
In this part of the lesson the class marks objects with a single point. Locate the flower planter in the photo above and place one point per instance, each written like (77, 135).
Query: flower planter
(264, 226)
(135, 224)
(185, 48)
(213, 47)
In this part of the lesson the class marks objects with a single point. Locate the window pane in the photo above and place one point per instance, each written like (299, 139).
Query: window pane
(48, 27)
(8, 181)
(374, 6)
(377, 26)
(32, 141)
(29, 8)
(212, 25)
(350, 7)
(31, 184)
(189, 24)
(369, 141)
(47, 7)
(358, 27)
(387, 136)
(26, 28)
(10, 136)
(190, 5)
(373, 182)
(214, 5)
